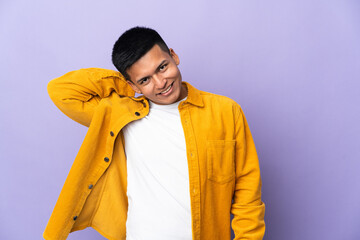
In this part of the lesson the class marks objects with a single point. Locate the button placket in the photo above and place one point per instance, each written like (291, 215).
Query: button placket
(194, 170)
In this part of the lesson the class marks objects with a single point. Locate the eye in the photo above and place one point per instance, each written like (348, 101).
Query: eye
(144, 80)
(162, 67)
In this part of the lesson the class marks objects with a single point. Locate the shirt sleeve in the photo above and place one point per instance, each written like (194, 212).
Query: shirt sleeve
(78, 93)
(247, 208)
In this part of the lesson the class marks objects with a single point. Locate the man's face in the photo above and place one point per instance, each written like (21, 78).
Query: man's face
(157, 77)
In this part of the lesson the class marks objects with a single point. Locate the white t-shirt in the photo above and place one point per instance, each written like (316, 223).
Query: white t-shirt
(157, 176)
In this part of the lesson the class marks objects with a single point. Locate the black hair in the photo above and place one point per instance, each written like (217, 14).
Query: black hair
(132, 45)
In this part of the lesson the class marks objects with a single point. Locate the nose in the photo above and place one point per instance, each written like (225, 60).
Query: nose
(160, 82)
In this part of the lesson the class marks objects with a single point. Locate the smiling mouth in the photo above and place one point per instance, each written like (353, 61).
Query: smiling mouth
(166, 90)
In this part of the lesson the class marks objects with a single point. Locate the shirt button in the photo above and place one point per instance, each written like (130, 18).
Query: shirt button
(90, 186)
(191, 154)
(106, 159)
(137, 113)
(194, 190)
(75, 218)
(111, 133)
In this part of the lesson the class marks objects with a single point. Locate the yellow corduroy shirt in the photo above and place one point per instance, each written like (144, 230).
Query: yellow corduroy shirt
(223, 165)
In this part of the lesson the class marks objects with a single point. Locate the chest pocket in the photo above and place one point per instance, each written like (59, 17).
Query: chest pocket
(220, 160)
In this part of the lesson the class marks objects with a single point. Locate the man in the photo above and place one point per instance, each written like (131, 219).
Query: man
(172, 163)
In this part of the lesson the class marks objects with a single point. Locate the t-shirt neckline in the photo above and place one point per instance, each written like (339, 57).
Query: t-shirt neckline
(167, 106)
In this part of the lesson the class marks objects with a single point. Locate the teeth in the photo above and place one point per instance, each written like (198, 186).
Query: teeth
(166, 89)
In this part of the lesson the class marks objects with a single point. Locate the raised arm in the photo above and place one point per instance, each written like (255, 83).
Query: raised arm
(247, 208)
(77, 93)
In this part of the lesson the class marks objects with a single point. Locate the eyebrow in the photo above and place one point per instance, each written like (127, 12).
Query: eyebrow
(157, 69)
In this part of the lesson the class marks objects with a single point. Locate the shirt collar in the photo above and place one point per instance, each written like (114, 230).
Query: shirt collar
(193, 96)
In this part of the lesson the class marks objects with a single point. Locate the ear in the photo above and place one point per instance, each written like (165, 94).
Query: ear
(174, 56)
(134, 87)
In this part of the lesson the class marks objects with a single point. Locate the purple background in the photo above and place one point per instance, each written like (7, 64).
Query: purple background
(294, 67)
